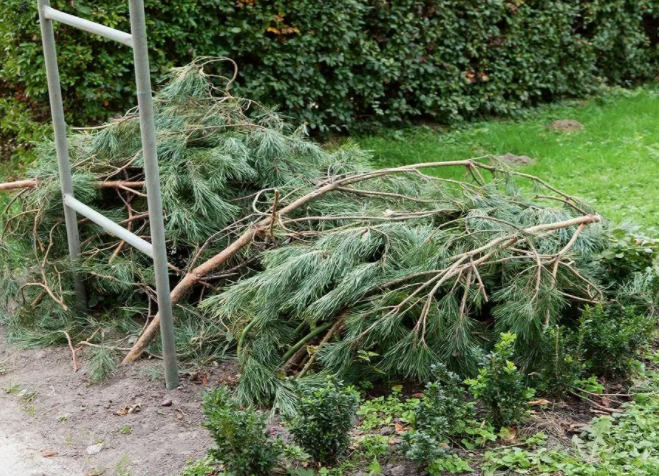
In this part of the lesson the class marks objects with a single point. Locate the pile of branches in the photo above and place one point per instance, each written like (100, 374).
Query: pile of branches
(307, 258)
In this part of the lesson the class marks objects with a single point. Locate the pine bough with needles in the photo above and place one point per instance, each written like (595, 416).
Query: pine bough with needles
(308, 258)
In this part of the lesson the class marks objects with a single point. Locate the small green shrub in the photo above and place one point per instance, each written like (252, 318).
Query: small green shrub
(324, 415)
(442, 413)
(562, 362)
(500, 385)
(240, 435)
(423, 448)
(444, 410)
(612, 337)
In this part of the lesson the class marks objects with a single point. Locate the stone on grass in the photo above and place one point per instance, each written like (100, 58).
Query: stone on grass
(94, 449)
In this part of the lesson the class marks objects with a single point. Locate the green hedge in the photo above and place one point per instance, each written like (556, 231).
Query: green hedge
(340, 64)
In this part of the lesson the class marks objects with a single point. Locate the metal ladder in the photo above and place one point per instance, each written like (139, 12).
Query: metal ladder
(157, 248)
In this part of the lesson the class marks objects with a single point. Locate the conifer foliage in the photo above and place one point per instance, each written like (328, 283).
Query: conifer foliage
(305, 257)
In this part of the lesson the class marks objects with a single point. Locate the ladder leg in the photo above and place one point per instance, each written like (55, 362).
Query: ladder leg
(148, 132)
(59, 126)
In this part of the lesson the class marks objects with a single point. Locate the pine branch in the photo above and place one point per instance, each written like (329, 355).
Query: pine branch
(399, 267)
(255, 231)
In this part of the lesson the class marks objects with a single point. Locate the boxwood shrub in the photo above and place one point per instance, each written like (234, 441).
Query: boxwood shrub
(342, 64)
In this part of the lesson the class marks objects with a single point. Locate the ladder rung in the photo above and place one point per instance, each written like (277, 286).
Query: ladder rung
(90, 26)
(109, 226)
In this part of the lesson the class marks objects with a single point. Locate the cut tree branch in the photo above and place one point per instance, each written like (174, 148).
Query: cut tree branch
(27, 184)
(21, 184)
(258, 229)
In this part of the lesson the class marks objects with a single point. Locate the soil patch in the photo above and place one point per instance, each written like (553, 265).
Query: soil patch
(516, 159)
(52, 420)
(566, 125)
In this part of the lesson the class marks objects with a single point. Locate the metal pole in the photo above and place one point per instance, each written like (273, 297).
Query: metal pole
(109, 226)
(59, 126)
(88, 26)
(148, 131)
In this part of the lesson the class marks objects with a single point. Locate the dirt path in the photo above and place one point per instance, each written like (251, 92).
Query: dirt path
(53, 423)
(21, 447)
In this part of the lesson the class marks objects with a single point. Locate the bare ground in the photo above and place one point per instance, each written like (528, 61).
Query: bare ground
(50, 417)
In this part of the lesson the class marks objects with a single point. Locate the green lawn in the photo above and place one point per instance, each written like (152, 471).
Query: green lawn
(613, 163)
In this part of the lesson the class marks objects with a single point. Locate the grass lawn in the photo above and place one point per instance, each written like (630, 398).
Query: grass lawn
(613, 163)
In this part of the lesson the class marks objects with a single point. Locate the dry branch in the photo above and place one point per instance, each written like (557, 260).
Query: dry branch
(74, 358)
(27, 184)
(20, 184)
